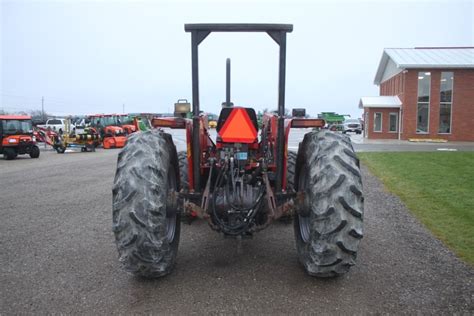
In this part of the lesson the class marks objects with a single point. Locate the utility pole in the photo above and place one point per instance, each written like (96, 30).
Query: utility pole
(42, 108)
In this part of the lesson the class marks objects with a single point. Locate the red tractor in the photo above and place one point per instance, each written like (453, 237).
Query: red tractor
(16, 137)
(240, 182)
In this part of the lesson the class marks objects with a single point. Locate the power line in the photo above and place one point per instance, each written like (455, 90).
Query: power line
(18, 96)
(46, 101)
(49, 100)
(28, 108)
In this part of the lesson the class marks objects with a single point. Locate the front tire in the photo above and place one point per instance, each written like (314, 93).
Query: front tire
(9, 153)
(328, 228)
(35, 152)
(146, 221)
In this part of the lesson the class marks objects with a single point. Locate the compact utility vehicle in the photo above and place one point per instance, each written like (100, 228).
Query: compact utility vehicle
(16, 137)
(239, 182)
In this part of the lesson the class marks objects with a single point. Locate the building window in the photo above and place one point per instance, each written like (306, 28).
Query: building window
(446, 101)
(393, 122)
(423, 106)
(377, 122)
(422, 118)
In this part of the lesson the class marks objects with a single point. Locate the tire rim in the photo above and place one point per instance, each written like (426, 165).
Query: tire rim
(304, 228)
(303, 221)
(170, 222)
(170, 228)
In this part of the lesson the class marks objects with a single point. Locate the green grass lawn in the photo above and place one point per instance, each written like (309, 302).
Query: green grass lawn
(438, 187)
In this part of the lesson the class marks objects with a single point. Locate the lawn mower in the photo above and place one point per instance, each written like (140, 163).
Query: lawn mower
(240, 182)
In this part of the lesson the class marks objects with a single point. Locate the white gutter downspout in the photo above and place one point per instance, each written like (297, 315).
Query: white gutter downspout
(399, 122)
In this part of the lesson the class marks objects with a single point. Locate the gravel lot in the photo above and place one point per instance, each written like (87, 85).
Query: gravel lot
(58, 256)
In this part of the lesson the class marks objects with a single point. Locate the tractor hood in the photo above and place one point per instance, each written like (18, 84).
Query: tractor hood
(129, 127)
(114, 129)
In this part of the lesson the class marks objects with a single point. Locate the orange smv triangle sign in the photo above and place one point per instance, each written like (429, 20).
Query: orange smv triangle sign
(238, 128)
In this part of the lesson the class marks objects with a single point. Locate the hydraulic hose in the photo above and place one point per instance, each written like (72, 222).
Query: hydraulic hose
(242, 227)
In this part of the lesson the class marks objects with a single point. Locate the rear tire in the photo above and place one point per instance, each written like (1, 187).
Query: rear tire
(146, 221)
(35, 152)
(183, 171)
(290, 181)
(290, 170)
(184, 183)
(328, 231)
(9, 153)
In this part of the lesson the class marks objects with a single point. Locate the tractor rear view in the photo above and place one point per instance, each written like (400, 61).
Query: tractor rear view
(240, 182)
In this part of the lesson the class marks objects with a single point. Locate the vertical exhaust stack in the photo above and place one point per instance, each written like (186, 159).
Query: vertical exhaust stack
(227, 102)
(227, 83)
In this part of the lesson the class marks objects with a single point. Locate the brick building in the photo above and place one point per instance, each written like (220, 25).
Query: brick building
(424, 93)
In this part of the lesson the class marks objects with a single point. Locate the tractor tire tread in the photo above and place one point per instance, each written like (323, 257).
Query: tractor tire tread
(291, 169)
(9, 153)
(183, 170)
(290, 181)
(334, 190)
(35, 152)
(139, 210)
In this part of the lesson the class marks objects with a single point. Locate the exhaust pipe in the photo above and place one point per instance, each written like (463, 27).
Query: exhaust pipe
(227, 102)
(227, 83)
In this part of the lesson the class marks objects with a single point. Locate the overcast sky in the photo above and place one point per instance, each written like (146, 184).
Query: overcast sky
(93, 56)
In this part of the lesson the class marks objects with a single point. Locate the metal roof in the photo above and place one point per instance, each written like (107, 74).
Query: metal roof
(380, 102)
(406, 58)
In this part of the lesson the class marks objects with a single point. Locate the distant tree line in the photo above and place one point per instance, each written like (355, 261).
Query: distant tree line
(36, 115)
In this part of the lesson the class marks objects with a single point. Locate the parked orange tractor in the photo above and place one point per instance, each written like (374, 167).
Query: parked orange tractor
(112, 136)
(125, 121)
